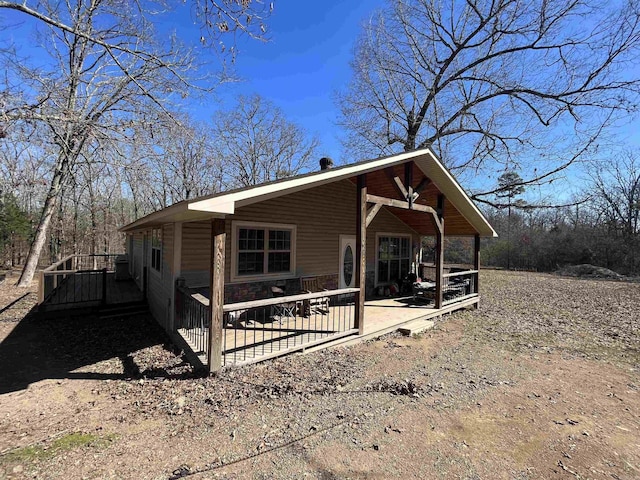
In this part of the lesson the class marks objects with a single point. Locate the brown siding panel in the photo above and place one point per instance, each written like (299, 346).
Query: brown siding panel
(138, 261)
(167, 248)
(321, 215)
(196, 245)
(196, 253)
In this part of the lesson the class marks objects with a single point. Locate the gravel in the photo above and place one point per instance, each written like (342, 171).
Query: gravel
(505, 391)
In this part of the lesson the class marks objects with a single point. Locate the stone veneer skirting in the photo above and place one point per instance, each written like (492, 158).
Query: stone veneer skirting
(245, 292)
(248, 291)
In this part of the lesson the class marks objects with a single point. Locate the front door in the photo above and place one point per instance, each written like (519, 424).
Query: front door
(347, 261)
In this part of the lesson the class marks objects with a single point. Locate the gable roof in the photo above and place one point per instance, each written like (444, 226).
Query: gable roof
(225, 203)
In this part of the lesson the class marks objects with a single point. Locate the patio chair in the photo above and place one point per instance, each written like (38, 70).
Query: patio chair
(424, 291)
(312, 285)
(282, 310)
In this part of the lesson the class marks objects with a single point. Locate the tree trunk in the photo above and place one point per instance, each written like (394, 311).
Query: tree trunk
(94, 220)
(43, 227)
(76, 215)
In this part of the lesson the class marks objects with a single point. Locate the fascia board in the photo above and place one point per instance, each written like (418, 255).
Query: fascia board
(452, 190)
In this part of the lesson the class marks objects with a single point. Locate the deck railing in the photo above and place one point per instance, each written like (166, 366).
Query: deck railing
(76, 279)
(459, 285)
(193, 318)
(261, 329)
(274, 326)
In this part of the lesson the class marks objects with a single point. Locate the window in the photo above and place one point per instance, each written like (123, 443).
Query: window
(156, 249)
(393, 258)
(263, 249)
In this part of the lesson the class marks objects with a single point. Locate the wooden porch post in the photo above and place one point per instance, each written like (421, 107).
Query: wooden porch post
(216, 293)
(408, 181)
(361, 252)
(476, 261)
(440, 253)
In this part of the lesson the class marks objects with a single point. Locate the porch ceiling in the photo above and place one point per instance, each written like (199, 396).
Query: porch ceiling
(380, 183)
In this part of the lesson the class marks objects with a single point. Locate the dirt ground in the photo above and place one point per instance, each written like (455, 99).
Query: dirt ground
(541, 382)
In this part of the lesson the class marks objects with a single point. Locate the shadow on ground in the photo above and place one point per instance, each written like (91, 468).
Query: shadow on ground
(54, 348)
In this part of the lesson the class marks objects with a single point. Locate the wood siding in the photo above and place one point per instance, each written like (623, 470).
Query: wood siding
(321, 215)
(378, 183)
(160, 283)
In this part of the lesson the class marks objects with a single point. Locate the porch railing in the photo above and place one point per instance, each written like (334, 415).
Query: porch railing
(192, 319)
(459, 285)
(76, 279)
(261, 329)
(274, 326)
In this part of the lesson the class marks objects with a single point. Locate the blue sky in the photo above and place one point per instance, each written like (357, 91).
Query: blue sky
(303, 65)
(299, 70)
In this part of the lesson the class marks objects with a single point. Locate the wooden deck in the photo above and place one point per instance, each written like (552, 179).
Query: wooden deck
(380, 315)
(255, 342)
(86, 290)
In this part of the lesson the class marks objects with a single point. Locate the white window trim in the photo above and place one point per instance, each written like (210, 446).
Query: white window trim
(387, 234)
(235, 226)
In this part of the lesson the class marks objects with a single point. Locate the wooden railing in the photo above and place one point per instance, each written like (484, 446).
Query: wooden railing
(261, 329)
(275, 326)
(76, 279)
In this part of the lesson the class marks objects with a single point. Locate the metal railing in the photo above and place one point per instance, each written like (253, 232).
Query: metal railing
(275, 326)
(76, 279)
(192, 319)
(96, 262)
(262, 329)
(458, 285)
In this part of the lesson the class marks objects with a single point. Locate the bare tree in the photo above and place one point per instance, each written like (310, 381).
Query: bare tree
(256, 143)
(24, 164)
(107, 66)
(91, 91)
(217, 19)
(492, 84)
(187, 161)
(616, 185)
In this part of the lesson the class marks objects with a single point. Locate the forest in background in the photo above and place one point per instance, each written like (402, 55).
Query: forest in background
(602, 229)
(155, 166)
(513, 96)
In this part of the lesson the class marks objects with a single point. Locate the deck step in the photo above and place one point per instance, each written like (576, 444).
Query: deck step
(416, 327)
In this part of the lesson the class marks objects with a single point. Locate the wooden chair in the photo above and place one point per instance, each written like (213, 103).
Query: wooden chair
(312, 285)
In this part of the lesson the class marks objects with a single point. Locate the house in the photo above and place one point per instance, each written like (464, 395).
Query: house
(251, 273)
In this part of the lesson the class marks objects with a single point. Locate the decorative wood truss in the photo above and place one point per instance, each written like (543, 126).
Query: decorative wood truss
(408, 195)
(368, 207)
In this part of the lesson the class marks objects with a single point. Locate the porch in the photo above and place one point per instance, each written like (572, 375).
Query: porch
(262, 329)
(86, 281)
